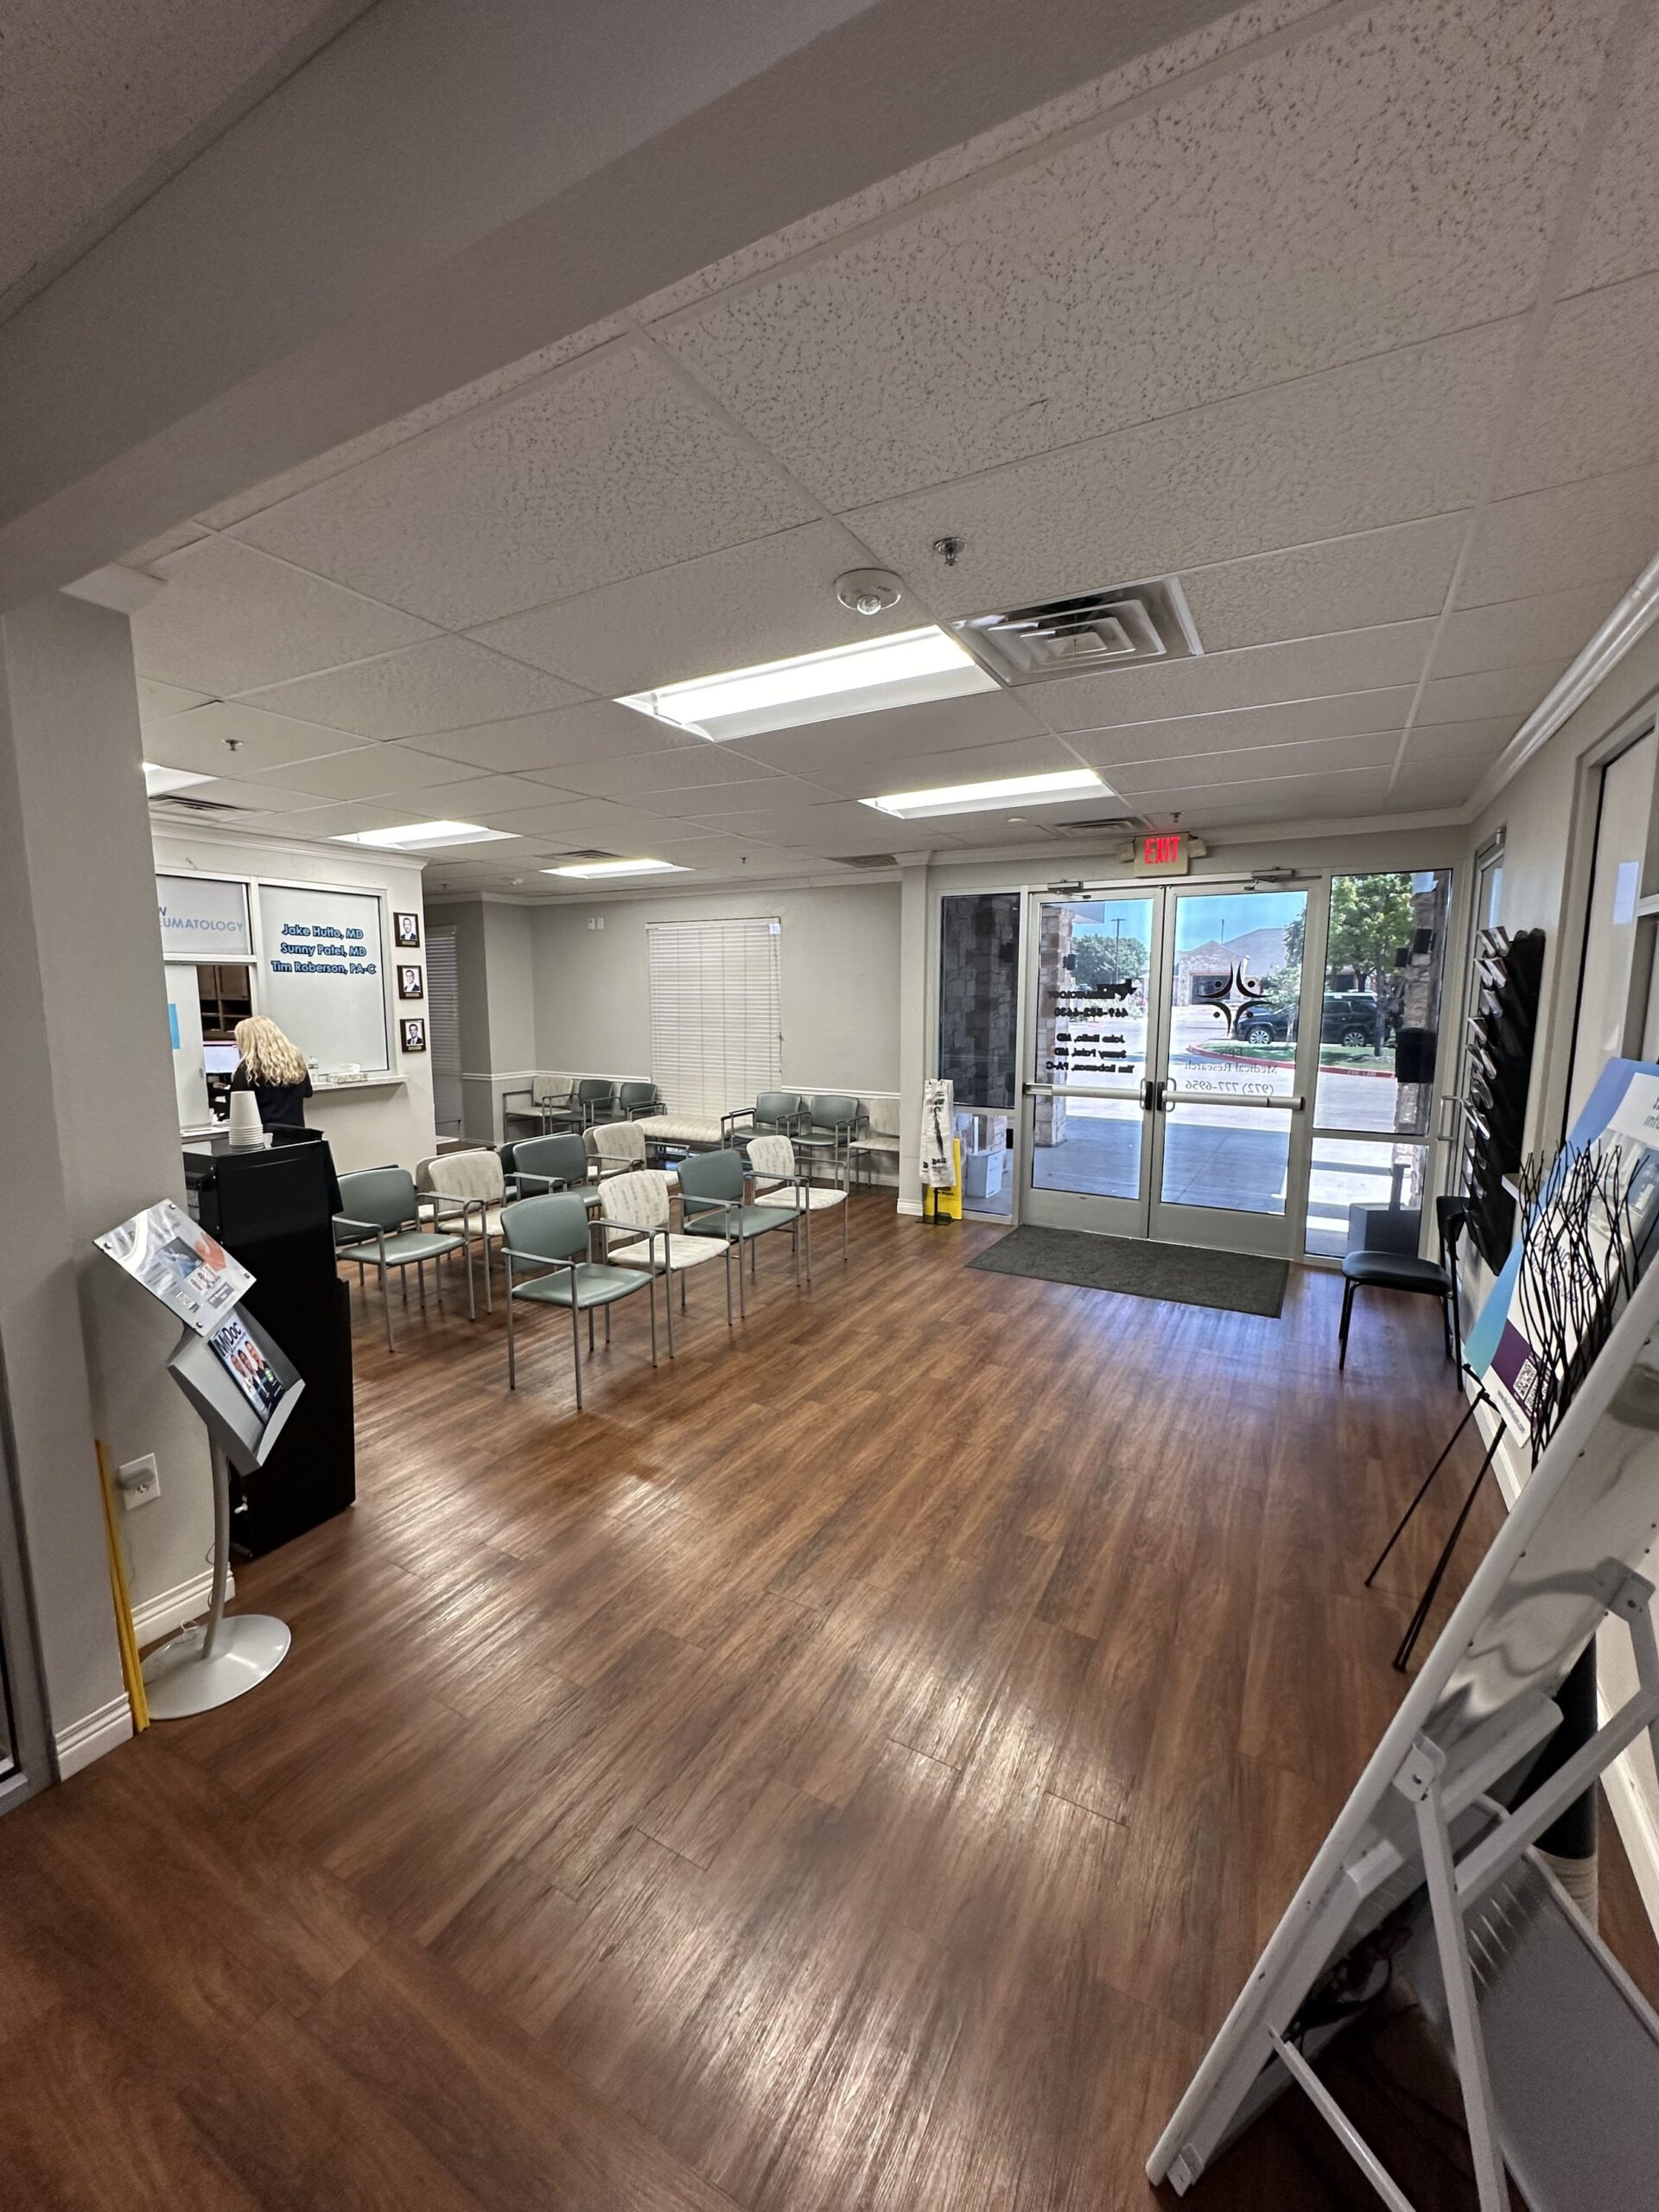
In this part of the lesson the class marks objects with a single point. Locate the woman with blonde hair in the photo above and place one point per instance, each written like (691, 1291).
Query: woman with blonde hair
(274, 1069)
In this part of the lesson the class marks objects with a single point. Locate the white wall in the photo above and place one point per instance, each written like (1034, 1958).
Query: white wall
(1547, 817)
(372, 1128)
(838, 976)
(92, 1130)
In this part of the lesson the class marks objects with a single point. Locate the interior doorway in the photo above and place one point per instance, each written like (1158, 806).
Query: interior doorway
(1168, 1064)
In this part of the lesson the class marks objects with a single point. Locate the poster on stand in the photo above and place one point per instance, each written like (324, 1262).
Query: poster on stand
(1619, 1120)
(179, 1263)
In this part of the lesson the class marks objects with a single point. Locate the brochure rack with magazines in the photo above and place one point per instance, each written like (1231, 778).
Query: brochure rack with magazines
(245, 1388)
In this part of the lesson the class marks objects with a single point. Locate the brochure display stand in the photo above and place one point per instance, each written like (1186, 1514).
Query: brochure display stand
(244, 1389)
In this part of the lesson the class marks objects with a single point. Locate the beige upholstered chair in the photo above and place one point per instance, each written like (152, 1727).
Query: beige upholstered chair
(471, 1189)
(633, 1218)
(779, 1182)
(616, 1147)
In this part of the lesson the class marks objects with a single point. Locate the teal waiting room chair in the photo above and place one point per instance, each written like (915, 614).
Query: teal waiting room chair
(714, 1202)
(544, 1164)
(550, 1234)
(379, 1223)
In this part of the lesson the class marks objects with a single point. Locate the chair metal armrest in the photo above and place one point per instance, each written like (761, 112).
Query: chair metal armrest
(729, 1122)
(369, 1228)
(626, 1232)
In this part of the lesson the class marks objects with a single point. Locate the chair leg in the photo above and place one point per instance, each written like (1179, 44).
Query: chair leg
(512, 1364)
(1446, 1329)
(650, 1300)
(1347, 1314)
(729, 1282)
(385, 1298)
(668, 1300)
(846, 1219)
(471, 1300)
(575, 1343)
(743, 1303)
(590, 1332)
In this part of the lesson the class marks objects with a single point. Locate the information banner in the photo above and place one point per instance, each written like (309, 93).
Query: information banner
(325, 975)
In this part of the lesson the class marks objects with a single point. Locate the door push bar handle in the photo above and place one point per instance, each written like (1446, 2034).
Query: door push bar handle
(1175, 1096)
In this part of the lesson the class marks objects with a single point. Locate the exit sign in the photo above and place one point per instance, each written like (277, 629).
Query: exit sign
(1161, 852)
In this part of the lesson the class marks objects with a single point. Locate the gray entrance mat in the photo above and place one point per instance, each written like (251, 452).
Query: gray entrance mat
(1237, 1282)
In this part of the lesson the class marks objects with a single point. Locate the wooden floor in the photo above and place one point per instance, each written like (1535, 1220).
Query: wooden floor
(853, 1767)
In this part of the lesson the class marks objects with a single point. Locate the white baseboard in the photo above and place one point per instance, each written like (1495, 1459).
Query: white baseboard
(911, 1206)
(170, 1609)
(94, 1733)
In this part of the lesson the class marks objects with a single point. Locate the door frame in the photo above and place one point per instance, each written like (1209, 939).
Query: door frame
(1277, 1235)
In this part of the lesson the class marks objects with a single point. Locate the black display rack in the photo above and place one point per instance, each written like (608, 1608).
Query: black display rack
(1497, 1077)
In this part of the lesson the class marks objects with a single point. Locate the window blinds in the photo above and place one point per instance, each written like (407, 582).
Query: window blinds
(715, 1038)
(443, 1030)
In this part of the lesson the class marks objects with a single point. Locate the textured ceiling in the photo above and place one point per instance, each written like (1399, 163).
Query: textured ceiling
(101, 100)
(1347, 318)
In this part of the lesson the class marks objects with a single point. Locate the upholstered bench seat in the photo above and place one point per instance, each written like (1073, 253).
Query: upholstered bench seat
(681, 1129)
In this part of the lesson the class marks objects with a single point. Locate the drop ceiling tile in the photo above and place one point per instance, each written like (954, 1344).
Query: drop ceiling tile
(1456, 742)
(765, 600)
(596, 730)
(344, 817)
(692, 807)
(225, 737)
(444, 685)
(369, 771)
(156, 700)
(625, 830)
(490, 799)
(1579, 418)
(1422, 787)
(1347, 583)
(1357, 791)
(837, 827)
(1199, 771)
(1495, 692)
(1620, 235)
(1354, 713)
(980, 764)
(1605, 530)
(1388, 441)
(681, 768)
(826, 749)
(738, 857)
(230, 618)
(1080, 105)
(606, 469)
(1554, 625)
(385, 434)
(1305, 668)
(1232, 236)
(230, 790)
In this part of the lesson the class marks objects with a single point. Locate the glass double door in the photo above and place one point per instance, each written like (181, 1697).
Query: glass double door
(1165, 1079)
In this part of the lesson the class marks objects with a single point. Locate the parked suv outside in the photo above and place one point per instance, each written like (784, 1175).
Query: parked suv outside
(1351, 1018)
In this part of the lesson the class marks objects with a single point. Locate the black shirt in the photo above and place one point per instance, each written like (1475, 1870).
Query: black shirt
(281, 1104)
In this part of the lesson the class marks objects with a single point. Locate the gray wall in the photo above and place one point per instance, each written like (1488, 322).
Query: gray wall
(838, 963)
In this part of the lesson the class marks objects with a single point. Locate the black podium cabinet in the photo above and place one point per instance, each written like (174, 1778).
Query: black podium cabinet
(274, 1209)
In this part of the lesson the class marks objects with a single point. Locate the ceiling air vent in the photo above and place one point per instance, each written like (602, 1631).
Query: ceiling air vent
(1122, 627)
(175, 802)
(866, 860)
(584, 852)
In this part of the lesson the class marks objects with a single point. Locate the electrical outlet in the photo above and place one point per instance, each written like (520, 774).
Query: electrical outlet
(139, 1481)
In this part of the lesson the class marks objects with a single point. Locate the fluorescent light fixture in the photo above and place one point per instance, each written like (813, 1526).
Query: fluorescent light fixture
(158, 781)
(897, 671)
(619, 868)
(988, 799)
(422, 836)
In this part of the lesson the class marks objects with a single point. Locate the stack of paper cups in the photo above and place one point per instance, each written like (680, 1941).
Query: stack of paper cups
(246, 1128)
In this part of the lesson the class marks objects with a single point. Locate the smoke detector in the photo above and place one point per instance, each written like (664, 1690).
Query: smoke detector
(868, 591)
(1123, 626)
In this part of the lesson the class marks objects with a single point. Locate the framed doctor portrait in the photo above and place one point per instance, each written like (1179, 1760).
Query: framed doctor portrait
(413, 1033)
(406, 928)
(411, 980)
